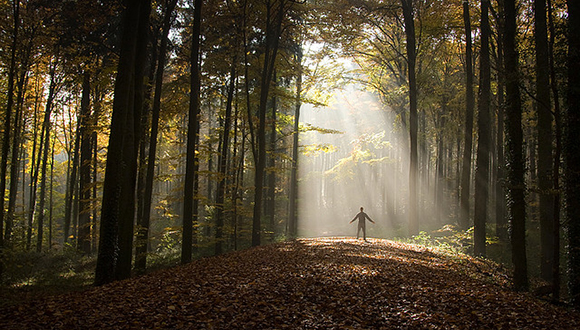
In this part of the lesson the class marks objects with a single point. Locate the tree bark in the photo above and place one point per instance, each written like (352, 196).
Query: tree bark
(556, 160)
(222, 163)
(545, 140)
(413, 165)
(484, 137)
(84, 229)
(116, 234)
(468, 132)
(273, 31)
(293, 194)
(7, 120)
(571, 152)
(190, 187)
(515, 159)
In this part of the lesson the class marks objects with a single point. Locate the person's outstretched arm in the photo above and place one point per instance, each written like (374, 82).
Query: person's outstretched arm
(371, 220)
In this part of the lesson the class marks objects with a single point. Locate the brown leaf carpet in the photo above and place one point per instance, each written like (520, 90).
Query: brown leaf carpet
(324, 283)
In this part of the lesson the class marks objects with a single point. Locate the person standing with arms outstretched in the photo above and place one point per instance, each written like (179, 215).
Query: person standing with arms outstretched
(361, 216)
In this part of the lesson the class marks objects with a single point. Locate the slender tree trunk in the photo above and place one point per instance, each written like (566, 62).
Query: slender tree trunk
(46, 141)
(117, 213)
(500, 201)
(293, 194)
(270, 205)
(71, 185)
(557, 155)
(484, 140)
(144, 221)
(468, 133)
(190, 189)
(8, 121)
(84, 229)
(222, 163)
(17, 147)
(273, 31)
(571, 152)
(545, 140)
(411, 61)
(516, 185)
(50, 196)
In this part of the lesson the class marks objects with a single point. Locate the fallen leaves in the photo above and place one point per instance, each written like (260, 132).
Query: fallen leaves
(306, 284)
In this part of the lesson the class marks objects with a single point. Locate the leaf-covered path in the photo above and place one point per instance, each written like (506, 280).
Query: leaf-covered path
(331, 283)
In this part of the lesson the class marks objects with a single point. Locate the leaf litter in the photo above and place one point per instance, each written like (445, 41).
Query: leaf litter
(320, 283)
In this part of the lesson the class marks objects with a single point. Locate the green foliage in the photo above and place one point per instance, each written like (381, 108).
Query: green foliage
(59, 271)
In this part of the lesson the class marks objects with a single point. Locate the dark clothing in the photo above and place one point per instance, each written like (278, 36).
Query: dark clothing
(361, 216)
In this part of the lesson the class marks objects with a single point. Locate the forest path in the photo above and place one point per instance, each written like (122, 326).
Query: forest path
(323, 283)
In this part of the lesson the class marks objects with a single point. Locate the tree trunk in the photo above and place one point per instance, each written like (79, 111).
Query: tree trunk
(270, 205)
(273, 31)
(190, 188)
(571, 152)
(484, 137)
(46, 141)
(556, 160)
(515, 159)
(144, 220)
(7, 121)
(117, 213)
(501, 229)
(84, 229)
(222, 163)
(545, 140)
(71, 184)
(468, 133)
(411, 60)
(293, 194)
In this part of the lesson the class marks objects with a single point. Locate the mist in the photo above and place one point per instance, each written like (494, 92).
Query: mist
(358, 159)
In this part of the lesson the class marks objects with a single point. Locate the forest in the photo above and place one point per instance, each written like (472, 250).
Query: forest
(137, 135)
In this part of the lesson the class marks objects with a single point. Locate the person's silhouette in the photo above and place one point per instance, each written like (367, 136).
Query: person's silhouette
(361, 216)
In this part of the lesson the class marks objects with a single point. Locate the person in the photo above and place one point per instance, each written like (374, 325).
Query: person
(361, 216)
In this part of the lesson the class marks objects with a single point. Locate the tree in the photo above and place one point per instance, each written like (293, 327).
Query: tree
(190, 185)
(571, 153)
(484, 137)
(468, 128)
(413, 161)
(144, 220)
(293, 194)
(545, 140)
(116, 232)
(274, 18)
(516, 185)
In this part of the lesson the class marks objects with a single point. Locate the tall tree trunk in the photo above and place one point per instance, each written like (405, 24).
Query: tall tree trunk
(516, 185)
(501, 229)
(52, 90)
(411, 61)
(119, 186)
(270, 205)
(8, 121)
(84, 229)
(545, 140)
(17, 145)
(144, 221)
(484, 137)
(468, 132)
(557, 155)
(571, 152)
(222, 163)
(131, 149)
(273, 31)
(71, 185)
(190, 187)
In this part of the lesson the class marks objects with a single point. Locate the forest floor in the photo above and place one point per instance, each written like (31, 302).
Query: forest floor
(323, 283)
